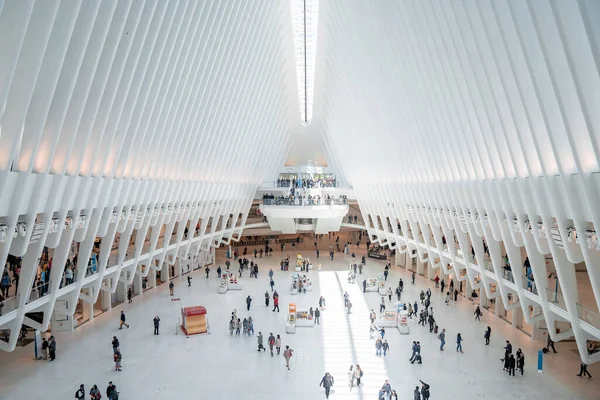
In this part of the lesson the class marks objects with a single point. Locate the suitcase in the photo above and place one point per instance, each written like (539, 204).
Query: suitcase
(435, 329)
(544, 350)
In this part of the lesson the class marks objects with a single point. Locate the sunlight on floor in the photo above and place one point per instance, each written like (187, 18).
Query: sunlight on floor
(346, 339)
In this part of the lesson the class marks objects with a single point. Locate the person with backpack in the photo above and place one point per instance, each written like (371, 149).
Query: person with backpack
(287, 354)
(115, 344)
(358, 374)
(80, 393)
(271, 341)
(442, 338)
(327, 383)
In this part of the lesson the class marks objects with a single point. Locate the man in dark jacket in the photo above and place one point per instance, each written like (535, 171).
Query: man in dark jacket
(52, 348)
(115, 344)
(424, 390)
(327, 383)
(156, 321)
(111, 392)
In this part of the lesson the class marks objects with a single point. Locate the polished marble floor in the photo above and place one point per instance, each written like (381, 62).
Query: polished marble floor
(217, 366)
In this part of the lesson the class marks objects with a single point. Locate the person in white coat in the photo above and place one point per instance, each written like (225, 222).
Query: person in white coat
(351, 376)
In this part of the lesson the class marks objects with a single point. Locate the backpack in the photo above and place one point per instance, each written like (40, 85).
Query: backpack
(361, 373)
(440, 336)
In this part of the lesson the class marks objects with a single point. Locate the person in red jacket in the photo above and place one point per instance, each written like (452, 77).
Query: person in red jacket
(275, 302)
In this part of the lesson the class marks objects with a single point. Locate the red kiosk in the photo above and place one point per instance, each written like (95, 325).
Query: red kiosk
(193, 320)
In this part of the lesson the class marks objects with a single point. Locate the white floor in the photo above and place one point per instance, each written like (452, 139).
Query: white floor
(218, 366)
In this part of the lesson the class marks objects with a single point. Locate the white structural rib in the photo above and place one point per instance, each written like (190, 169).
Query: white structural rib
(133, 118)
(472, 120)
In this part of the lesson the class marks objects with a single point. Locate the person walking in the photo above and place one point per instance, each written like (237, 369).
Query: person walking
(189, 279)
(358, 374)
(327, 383)
(171, 287)
(550, 344)
(442, 285)
(422, 297)
(351, 375)
(118, 357)
(231, 327)
(271, 342)
(455, 295)
(115, 344)
(385, 347)
(267, 298)
(349, 306)
(275, 301)
(487, 335)
(412, 282)
(459, 340)
(478, 314)
(287, 354)
(390, 293)
(382, 305)
(259, 338)
(80, 393)
(378, 347)
(317, 316)
(111, 392)
(414, 351)
(442, 338)
(278, 344)
(122, 321)
(583, 371)
(364, 285)
(52, 348)
(447, 298)
(248, 302)
(507, 350)
(156, 321)
(129, 293)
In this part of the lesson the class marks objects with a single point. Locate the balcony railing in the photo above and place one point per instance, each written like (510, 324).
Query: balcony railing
(556, 299)
(529, 285)
(589, 316)
(304, 202)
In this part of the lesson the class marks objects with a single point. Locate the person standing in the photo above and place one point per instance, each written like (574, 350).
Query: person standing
(95, 393)
(389, 292)
(455, 295)
(118, 357)
(287, 354)
(171, 287)
(364, 285)
(351, 375)
(278, 344)
(417, 394)
(267, 298)
(326, 382)
(317, 316)
(156, 321)
(122, 321)
(459, 340)
(442, 285)
(80, 393)
(412, 282)
(52, 348)
(378, 347)
(487, 335)
(275, 302)
(318, 253)
(189, 279)
(231, 326)
(111, 392)
(271, 342)
(259, 338)
(248, 302)
(511, 365)
(358, 373)
(447, 298)
(442, 338)
(507, 350)
(129, 295)
(44, 349)
(583, 371)
(424, 390)
(115, 344)
(520, 361)
(272, 284)
(382, 305)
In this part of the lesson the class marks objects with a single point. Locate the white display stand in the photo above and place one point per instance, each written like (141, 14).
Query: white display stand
(371, 285)
(389, 319)
(293, 291)
(290, 328)
(402, 325)
(382, 291)
(223, 289)
(297, 268)
(229, 282)
(235, 286)
(310, 266)
(303, 319)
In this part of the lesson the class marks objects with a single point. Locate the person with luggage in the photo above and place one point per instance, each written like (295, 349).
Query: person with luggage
(287, 354)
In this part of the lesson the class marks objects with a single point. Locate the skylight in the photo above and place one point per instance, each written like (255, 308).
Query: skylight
(305, 16)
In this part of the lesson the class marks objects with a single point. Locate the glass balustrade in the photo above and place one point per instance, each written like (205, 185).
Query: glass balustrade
(529, 285)
(303, 202)
(556, 299)
(588, 316)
